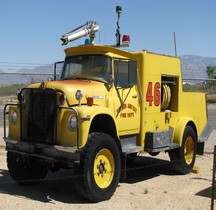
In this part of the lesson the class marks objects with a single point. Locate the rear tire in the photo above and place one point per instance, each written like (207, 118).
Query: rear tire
(24, 169)
(99, 170)
(183, 158)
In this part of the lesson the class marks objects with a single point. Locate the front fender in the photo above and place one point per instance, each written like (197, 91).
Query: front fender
(86, 116)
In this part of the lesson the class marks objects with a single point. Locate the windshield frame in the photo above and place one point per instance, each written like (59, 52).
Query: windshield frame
(86, 70)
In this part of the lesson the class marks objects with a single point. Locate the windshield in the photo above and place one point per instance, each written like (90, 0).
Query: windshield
(95, 67)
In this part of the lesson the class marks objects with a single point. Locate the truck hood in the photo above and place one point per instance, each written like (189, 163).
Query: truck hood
(89, 88)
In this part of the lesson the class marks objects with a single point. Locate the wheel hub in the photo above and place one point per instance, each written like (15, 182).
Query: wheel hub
(101, 168)
(104, 167)
(189, 150)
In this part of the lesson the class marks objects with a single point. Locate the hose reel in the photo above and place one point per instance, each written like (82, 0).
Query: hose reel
(166, 96)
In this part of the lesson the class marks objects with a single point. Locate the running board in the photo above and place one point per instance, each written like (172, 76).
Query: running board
(162, 149)
(132, 149)
(128, 144)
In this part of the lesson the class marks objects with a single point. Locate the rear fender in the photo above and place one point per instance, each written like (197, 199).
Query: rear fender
(179, 130)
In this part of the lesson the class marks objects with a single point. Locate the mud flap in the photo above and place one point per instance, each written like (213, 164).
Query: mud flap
(200, 148)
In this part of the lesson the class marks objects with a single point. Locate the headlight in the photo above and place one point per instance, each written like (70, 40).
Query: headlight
(13, 116)
(73, 122)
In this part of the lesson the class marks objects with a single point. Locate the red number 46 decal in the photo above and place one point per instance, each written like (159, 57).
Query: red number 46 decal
(153, 95)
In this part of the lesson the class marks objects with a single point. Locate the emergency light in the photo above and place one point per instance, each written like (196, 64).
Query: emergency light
(125, 40)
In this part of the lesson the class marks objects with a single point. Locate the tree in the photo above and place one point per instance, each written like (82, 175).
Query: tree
(211, 72)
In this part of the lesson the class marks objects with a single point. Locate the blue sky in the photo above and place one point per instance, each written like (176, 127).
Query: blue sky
(30, 31)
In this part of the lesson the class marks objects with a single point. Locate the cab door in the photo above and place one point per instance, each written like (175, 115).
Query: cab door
(127, 104)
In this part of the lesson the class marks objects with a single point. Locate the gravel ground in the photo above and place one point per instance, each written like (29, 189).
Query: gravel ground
(151, 184)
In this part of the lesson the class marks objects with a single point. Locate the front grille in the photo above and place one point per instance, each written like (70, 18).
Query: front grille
(39, 115)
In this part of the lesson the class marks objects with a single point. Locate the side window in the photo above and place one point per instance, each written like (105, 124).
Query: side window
(121, 73)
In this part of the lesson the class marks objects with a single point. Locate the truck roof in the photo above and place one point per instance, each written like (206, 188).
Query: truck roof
(105, 49)
(94, 49)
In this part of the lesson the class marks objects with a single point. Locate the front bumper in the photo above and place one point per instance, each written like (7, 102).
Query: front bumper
(50, 152)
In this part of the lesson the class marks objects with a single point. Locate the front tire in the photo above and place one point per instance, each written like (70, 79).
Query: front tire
(183, 158)
(24, 169)
(99, 170)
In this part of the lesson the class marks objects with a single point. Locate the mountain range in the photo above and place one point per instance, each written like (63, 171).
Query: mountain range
(192, 67)
(195, 66)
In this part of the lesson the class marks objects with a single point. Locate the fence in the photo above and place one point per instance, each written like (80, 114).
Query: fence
(10, 82)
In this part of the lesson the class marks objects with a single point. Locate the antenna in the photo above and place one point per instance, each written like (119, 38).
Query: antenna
(174, 36)
(118, 35)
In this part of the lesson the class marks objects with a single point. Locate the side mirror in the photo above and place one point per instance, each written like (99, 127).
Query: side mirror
(132, 73)
(110, 80)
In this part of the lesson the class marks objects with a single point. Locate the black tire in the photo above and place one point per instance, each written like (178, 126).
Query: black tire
(154, 154)
(24, 169)
(99, 170)
(183, 158)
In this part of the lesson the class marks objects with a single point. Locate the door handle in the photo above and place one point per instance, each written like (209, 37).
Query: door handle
(135, 96)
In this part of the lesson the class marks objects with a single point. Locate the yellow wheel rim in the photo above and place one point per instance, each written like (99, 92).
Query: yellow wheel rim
(189, 150)
(104, 166)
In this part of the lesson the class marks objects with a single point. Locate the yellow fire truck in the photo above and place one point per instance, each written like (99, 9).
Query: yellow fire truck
(108, 104)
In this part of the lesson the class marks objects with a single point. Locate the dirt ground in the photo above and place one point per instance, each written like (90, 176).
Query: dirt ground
(151, 184)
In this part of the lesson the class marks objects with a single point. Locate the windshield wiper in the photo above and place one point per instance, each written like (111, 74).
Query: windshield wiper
(99, 79)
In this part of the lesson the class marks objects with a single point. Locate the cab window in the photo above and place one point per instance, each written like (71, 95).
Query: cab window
(121, 73)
